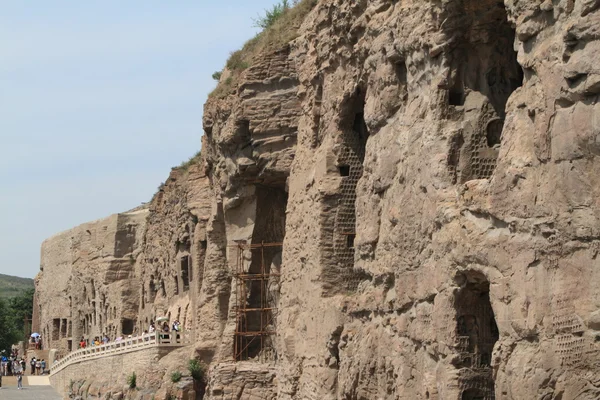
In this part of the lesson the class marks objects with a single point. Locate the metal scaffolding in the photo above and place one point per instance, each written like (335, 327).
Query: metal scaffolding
(254, 309)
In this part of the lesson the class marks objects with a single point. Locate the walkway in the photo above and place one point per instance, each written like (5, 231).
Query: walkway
(29, 393)
(123, 346)
(35, 388)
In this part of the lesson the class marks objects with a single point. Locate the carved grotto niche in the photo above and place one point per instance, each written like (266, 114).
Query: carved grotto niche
(338, 216)
(483, 73)
(476, 335)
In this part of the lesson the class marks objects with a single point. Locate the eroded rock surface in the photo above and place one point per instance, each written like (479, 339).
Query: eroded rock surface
(431, 169)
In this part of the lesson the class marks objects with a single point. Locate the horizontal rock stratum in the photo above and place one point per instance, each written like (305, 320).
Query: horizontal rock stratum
(394, 200)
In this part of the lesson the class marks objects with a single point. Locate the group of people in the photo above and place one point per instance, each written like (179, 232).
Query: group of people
(12, 365)
(176, 327)
(15, 366)
(38, 366)
(36, 342)
(163, 329)
(97, 341)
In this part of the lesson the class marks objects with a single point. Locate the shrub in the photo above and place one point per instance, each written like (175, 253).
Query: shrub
(197, 370)
(272, 15)
(185, 165)
(132, 380)
(282, 22)
(175, 376)
(216, 75)
(236, 61)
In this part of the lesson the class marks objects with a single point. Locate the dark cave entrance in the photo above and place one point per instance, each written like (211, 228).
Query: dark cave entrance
(484, 72)
(127, 326)
(257, 323)
(476, 333)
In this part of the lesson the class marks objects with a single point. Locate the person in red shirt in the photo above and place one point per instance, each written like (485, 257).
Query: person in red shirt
(82, 343)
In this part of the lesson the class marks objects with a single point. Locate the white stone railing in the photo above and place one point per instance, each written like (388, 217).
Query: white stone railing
(126, 345)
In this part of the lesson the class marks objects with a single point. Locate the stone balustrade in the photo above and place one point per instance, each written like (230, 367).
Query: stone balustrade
(126, 345)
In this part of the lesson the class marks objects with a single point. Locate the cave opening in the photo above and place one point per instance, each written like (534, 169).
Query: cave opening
(55, 328)
(185, 272)
(476, 334)
(484, 72)
(127, 326)
(473, 394)
(456, 97)
(257, 322)
(339, 224)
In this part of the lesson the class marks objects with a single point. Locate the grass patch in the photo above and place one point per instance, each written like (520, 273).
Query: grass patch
(197, 370)
(272, 15)
(175, 376)
(185, 165)
(280, 26)
(132, 380)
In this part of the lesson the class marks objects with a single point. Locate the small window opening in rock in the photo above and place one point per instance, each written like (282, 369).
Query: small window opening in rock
(344, 170)
(176, 282)
(456, 98)
(127, 326)
(350, 241)
(494, 132)
(401, 71)
(69, 345)
(163, 289)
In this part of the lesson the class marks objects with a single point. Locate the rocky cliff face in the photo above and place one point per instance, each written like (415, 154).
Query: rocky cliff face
(87, 284)
(426, 173)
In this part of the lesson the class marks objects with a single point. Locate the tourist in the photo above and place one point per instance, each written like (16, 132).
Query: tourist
(20, 380)
(43, 363)
(82, 343)
(105, 339)
(23, 364)
(151, 329)
(32, 364)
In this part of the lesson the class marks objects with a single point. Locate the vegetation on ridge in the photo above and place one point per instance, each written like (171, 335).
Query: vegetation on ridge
(11, 286)
(185, 165)
(280, 26)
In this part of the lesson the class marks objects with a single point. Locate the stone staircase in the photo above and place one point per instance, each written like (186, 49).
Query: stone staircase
(39, 355)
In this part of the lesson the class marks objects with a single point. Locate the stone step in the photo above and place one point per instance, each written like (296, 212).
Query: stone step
(11, 381)
(43, 380)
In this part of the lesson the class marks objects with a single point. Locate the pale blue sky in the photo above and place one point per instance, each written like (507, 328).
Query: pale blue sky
(98, 100)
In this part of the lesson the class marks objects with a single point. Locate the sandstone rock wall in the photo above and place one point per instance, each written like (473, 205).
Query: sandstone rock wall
(110, 375)
(467, 210)
(431, 169)
(87, 284)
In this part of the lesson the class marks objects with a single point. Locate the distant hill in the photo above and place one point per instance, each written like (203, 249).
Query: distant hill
(11, 286)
